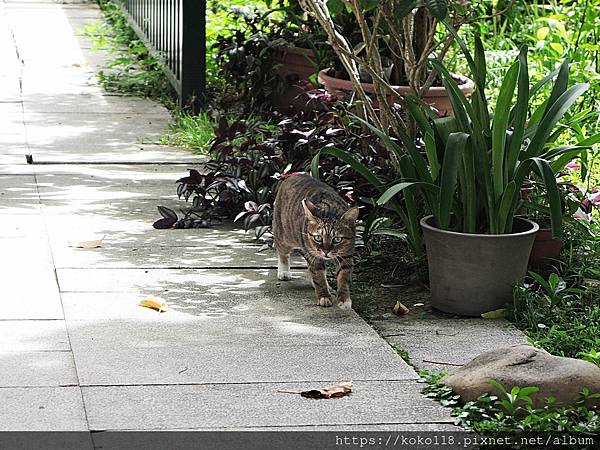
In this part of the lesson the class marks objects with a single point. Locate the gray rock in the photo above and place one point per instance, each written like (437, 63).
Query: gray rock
(523, 366)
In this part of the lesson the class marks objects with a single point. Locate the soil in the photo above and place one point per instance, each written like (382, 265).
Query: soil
(387, 276)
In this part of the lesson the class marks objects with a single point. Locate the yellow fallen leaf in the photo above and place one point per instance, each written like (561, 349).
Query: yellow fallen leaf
(153, 304)
(89, 244)
(400, 309)
(495, 314)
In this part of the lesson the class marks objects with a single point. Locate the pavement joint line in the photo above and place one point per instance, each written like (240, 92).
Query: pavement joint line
(283, 427)
(40, 386)
(9, 352)
(181, 268)
(249, 383)
(112, 163)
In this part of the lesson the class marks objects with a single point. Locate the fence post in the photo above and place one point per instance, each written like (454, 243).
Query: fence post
(193, 55)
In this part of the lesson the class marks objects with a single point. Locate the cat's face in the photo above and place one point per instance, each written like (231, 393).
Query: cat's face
(332, 236)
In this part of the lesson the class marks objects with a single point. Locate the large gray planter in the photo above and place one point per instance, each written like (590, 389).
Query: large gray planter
(470, 274)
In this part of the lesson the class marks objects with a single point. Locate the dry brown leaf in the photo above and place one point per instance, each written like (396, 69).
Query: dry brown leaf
(338, 390)
(153, 304)
(89, 244)
(400, 309)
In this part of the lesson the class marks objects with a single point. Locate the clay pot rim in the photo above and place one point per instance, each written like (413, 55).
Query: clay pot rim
(533, 230)
(467, 86)
(296, 50)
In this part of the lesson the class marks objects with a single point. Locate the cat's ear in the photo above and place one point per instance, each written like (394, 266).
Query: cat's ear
(350, 216)
(309, 209)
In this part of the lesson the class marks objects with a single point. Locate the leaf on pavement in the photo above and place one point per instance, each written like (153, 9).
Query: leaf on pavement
(400, 309)
(338, 390)
(88, 244)
(153, 304)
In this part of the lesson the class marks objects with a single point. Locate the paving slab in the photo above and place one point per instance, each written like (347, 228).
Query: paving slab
(81, 149)
(74, 187)
(91, 103)
(29, 284)
(225, 406)
(134, 230)
(33, 335)
(213, 281)
(10, 89)
(448, 343)
(42, 409)
(281, 319)
(19, 207)
(27, 227)
(68, 79)
(168, 173)
(97, 131)
(37, 369)
(29, 291)
(112, 255)
(18, 187)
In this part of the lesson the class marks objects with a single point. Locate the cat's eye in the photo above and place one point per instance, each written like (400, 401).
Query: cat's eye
(337, 240)
(318, 238)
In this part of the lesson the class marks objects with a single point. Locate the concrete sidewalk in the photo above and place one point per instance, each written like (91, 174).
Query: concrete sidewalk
(76, 350)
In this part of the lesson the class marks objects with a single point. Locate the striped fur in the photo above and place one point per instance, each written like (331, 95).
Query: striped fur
(311, 217)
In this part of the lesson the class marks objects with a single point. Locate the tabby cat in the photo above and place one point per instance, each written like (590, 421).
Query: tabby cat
(311, 217)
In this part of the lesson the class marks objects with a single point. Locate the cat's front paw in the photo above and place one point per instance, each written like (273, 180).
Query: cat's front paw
(284, 276)
(324, 301)
(345, 304)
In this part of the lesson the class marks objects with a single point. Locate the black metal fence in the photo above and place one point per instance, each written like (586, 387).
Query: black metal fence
(174, 32)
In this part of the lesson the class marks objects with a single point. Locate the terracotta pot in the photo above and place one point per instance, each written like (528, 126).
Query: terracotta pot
(435, 97)
(296, 64)
(546, 250)
(470, 274)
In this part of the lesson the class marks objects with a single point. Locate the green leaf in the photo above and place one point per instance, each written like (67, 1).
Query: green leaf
(500, 126)
(529, 390)
(552, 116)
(397, 188)
(557, 47)
(460, 106)
(418, 162)
(560, 85)
(519, 115)
(437, 8)
(452, 157)
(506, 208)
(542, 33)
(356, 165)
(540, 84)
(553, 196)
(314, 166)
(431, 151)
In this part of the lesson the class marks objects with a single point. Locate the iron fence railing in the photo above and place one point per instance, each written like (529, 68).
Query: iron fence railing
(175, 32)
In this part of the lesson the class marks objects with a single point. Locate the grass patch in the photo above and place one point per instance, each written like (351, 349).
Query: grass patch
(194, 132)
(131, 69)
(560, 312)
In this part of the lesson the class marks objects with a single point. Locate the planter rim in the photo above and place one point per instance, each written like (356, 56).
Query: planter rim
(467, 85)
(296, 50)
(534, 229)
